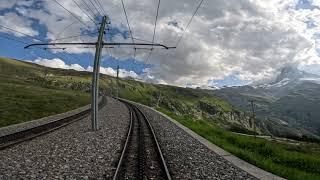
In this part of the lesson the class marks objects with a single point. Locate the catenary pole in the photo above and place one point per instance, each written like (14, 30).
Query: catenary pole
(95, 79)
(159, 98)
(96, 68)
(253, 118)
(118, 81)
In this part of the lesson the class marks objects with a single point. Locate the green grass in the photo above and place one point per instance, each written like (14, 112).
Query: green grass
(216, 101)
(22, 99)
(30, 91)
(288, 161)
(20, 103)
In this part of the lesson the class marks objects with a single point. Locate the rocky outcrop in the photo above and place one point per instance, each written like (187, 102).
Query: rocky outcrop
(233, 120)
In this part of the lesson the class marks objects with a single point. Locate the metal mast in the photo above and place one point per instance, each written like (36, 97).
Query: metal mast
(118, 81)
(253, 117)
(95, 79)
(96, 68)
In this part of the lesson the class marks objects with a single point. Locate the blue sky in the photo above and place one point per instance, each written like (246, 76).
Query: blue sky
(14, 49)
(177, 67)
(306, 4)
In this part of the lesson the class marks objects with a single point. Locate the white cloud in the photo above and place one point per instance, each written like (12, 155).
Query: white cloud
(112, 72)
(18, 23)
(57, 63)
(316, 3)
(249, 38)
(252, 39)
(7, 4)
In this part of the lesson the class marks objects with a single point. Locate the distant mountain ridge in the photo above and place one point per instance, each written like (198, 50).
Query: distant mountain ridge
(191, 103)
(288, 109)
(288, 106)
(291, 75)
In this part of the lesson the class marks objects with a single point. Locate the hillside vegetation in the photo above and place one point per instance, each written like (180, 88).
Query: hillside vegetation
(35, 91)
(286, 107)
(292, 160)
(24, 99)
(29, 91)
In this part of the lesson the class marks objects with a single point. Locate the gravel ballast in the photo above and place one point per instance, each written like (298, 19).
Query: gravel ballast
(186, 157)
(72, 152)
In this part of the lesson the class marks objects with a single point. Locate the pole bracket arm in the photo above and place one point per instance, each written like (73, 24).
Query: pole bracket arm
(54, 44)
(103, 43)
(138, 44)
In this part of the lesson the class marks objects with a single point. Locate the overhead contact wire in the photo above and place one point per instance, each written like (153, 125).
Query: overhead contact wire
(195, 12)
(154, 30)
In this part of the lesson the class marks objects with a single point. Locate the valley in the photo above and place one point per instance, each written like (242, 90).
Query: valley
(226, 123)
(287, 107)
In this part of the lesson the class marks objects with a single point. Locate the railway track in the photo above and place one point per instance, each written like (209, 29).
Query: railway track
(141, 156)
(28, 134)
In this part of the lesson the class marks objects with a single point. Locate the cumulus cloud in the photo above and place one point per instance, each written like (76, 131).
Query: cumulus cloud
(18, 23)
(7, 4)
(251, 39)
(58, 63)
(112, 72)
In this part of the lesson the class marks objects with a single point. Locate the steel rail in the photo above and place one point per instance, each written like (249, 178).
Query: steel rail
(133, 108)
(29, 134)
(117, 172)
(157, 143)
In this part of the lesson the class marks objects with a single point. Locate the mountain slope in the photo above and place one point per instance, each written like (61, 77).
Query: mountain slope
(24, 83)
(23, 99)
(289, 106)
(199, 110)
(29, 86)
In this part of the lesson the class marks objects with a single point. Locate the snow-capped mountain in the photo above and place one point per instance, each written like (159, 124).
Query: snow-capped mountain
(293, 76)
(283, 82)
(293, 97)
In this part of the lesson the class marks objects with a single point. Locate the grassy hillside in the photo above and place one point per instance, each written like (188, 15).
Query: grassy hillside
(29, 91)
(292, 160)
(198, 104)
(301, 107)
(34, 91)
(293, 114)
(23, 99)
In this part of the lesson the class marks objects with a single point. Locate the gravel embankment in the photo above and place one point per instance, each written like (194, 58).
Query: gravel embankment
(186, 157)
(72, 152)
